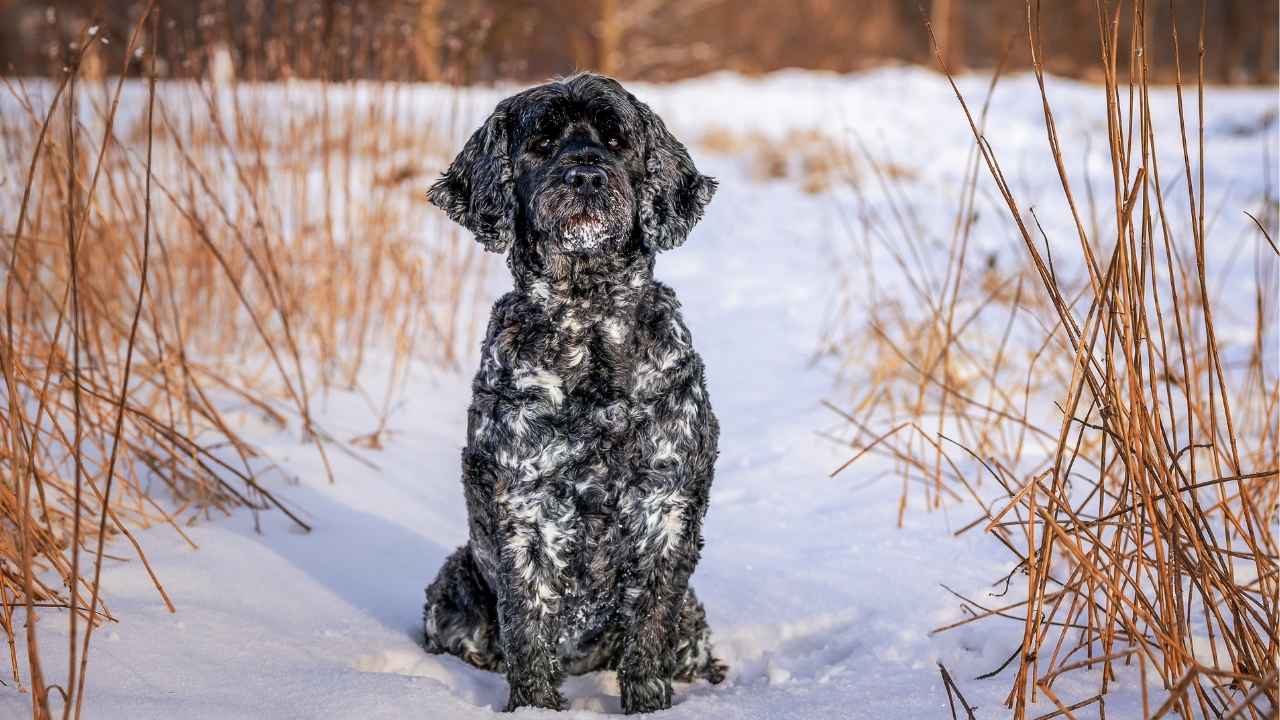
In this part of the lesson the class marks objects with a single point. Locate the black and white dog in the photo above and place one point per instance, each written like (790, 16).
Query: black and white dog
(590, 438)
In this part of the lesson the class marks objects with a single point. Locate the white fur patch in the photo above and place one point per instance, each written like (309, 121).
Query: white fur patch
(540, 290)
(545, 380)
(664, 521)
(614, 330)
(585, 233)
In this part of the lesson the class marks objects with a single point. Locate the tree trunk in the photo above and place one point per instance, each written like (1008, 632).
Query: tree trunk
(427, 41)
(608, 35)
(950, 36)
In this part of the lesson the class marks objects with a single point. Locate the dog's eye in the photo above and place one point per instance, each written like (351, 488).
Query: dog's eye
(542, 144)
(613, 142)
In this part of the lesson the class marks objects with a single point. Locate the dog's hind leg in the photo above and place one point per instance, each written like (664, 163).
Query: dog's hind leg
(694, 656)
(461, 614)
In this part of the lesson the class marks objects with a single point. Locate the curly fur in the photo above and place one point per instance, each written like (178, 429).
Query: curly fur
(590, 437)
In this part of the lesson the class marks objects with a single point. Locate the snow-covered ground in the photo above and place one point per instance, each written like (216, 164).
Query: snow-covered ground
(818, 602)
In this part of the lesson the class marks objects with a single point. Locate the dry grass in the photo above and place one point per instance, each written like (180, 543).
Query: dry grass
(171, 249)
(1131, 448)
(809, 157)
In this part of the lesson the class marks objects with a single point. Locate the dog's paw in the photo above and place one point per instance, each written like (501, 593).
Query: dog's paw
(716, 671)
(544, 697)
(644, 695)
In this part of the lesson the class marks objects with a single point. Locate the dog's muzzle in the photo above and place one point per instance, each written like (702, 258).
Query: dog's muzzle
(583, 206)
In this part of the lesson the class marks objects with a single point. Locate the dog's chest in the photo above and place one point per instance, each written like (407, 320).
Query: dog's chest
(604, 354)
(591, 593)
(600, 366)
(590, 340)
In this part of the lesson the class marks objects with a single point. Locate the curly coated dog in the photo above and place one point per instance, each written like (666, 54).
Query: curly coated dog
(590, 439)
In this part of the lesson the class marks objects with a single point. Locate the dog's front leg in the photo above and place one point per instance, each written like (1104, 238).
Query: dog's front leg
(523, 523)
(536, 531)
(662, 512)
(667, 524)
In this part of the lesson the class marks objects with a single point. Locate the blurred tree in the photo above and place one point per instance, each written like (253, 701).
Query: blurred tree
(428, 41)
(634, 38)
(948, 33)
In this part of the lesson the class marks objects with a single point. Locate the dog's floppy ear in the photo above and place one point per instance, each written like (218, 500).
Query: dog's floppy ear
(477, 190)
(674, 193)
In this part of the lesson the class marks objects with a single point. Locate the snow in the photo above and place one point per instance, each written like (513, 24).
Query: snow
(817, 601)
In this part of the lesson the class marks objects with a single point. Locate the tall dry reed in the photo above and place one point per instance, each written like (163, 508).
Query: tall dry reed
(1131, 448)
(172, 250)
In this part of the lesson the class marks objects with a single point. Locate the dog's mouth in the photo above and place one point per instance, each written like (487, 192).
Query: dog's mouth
(587, 230)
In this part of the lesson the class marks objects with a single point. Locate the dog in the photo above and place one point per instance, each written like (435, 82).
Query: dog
(591, 443)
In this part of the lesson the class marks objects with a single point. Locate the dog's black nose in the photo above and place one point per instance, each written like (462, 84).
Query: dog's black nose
(586, 179)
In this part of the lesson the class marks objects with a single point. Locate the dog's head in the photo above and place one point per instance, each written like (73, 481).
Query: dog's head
(582, 163)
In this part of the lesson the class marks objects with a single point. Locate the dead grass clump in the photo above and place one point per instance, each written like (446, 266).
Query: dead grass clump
(721, 141)
(809, 157)
(172, 249)
(1117, 444)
